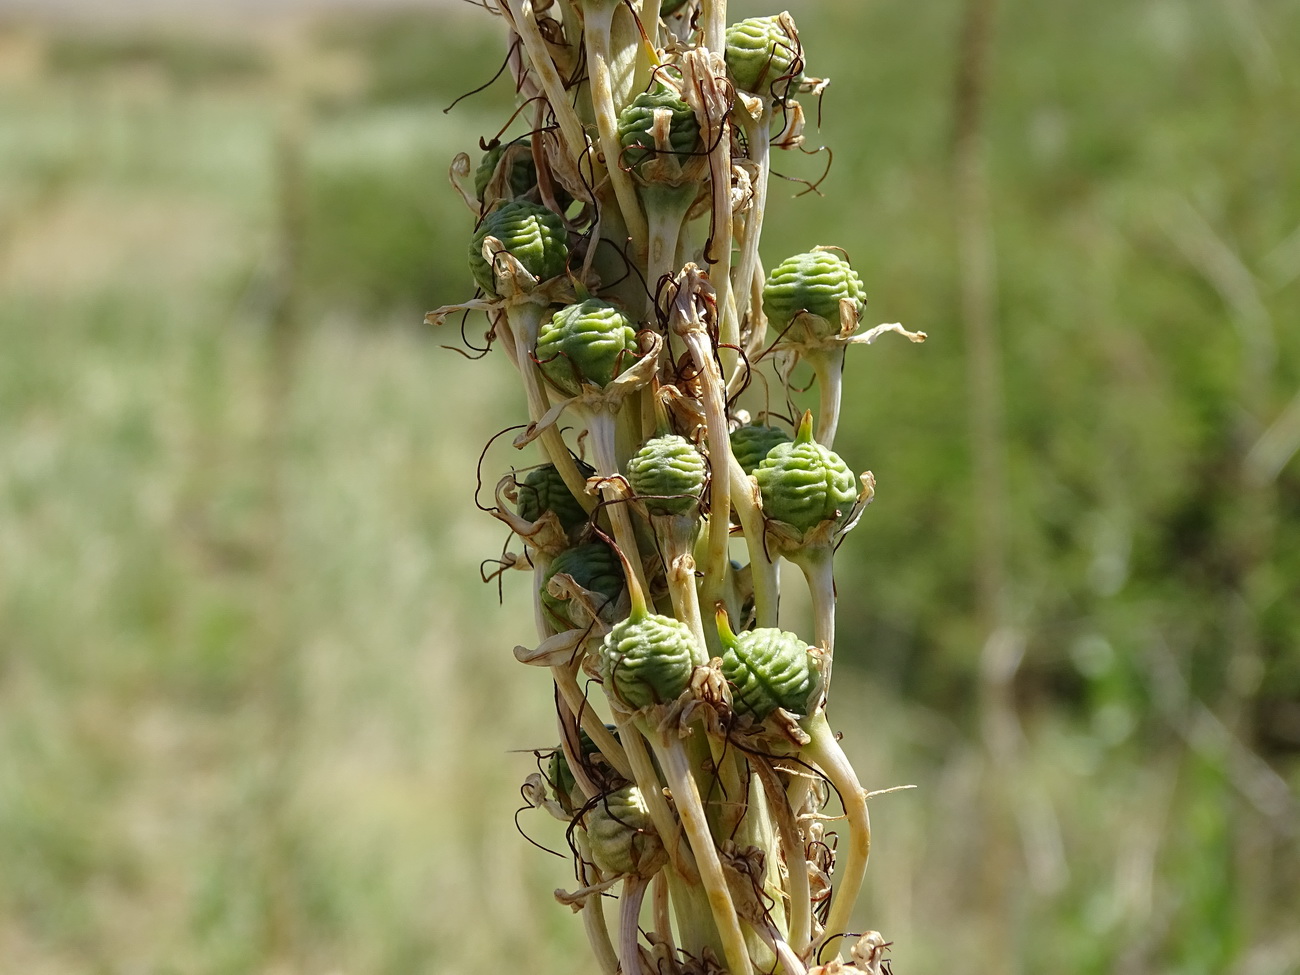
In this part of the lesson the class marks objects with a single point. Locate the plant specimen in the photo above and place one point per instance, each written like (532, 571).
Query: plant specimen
(617, 256)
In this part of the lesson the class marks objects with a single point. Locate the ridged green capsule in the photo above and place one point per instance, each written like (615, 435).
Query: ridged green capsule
(668, 474)
(523, 174)
(636, 126)
(647, 659)
(623, 839)
(543, 489)
(762, 57)
(768, 669)
(815, 282)
(593, 566)
(531, 233)
(804, 484)
(590, 342)
(751, 443)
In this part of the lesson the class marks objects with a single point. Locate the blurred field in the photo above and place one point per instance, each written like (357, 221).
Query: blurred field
(257, 712)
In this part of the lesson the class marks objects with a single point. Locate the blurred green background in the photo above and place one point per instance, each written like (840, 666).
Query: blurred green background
(259, 714)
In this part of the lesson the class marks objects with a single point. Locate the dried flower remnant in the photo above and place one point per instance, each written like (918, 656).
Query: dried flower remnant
(617, 253)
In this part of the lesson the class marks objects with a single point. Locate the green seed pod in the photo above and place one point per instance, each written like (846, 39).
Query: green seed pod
(636, 127)
(523, 174)
(763, 57)
(543, 489)
(593, 566)
(804, 484)
(531, 233)
(590, 342)
(668, 474)
(647, 659)
(814, 282)
(768, 669)
(751, 443)
(622, 837)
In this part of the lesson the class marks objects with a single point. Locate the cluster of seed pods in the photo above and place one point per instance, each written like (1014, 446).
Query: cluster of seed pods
(617, 255)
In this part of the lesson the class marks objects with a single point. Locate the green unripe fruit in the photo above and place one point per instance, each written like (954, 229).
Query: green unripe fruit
(593, 566)
(647, 660)
(751, 443)
(803, 484)
(531, 233)
(622, 837)
(668, 475)
(768, 669)
(762, 57)
(815, 282)
(636, 126)
(590, 342)
(542, 490)
(523, 174)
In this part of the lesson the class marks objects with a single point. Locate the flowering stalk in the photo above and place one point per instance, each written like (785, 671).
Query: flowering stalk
(603, 254)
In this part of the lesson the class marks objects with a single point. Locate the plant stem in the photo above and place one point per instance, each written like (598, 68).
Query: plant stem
(732, 785)
(818, 569)
(629, 950)
(758, 134)
(599, 20)
(676, 541)
(695, 928)
(570, 748)
(779, 947)
(756, 338)
(714, 14)
(566, 680)
(601, 426)
(647, 780)
(767, 586)
(593, 920)
(659, 906)
(828, 369)
(793, 852)
(686, 796)
(520, 14)
(716, 562)
(523, 322)
(825, 751)
(665, 209)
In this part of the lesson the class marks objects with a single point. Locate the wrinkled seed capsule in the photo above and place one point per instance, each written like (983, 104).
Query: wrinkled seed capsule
(636, 126)
(647, 660)
(814, 282)
(589, 342)
(593, 566)
(622, 838)
(803, 484)
(543, 489)
(768, 669)
(523, 174)
(531, 233)
(667, 474)
(761, 57)
(751, 443)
